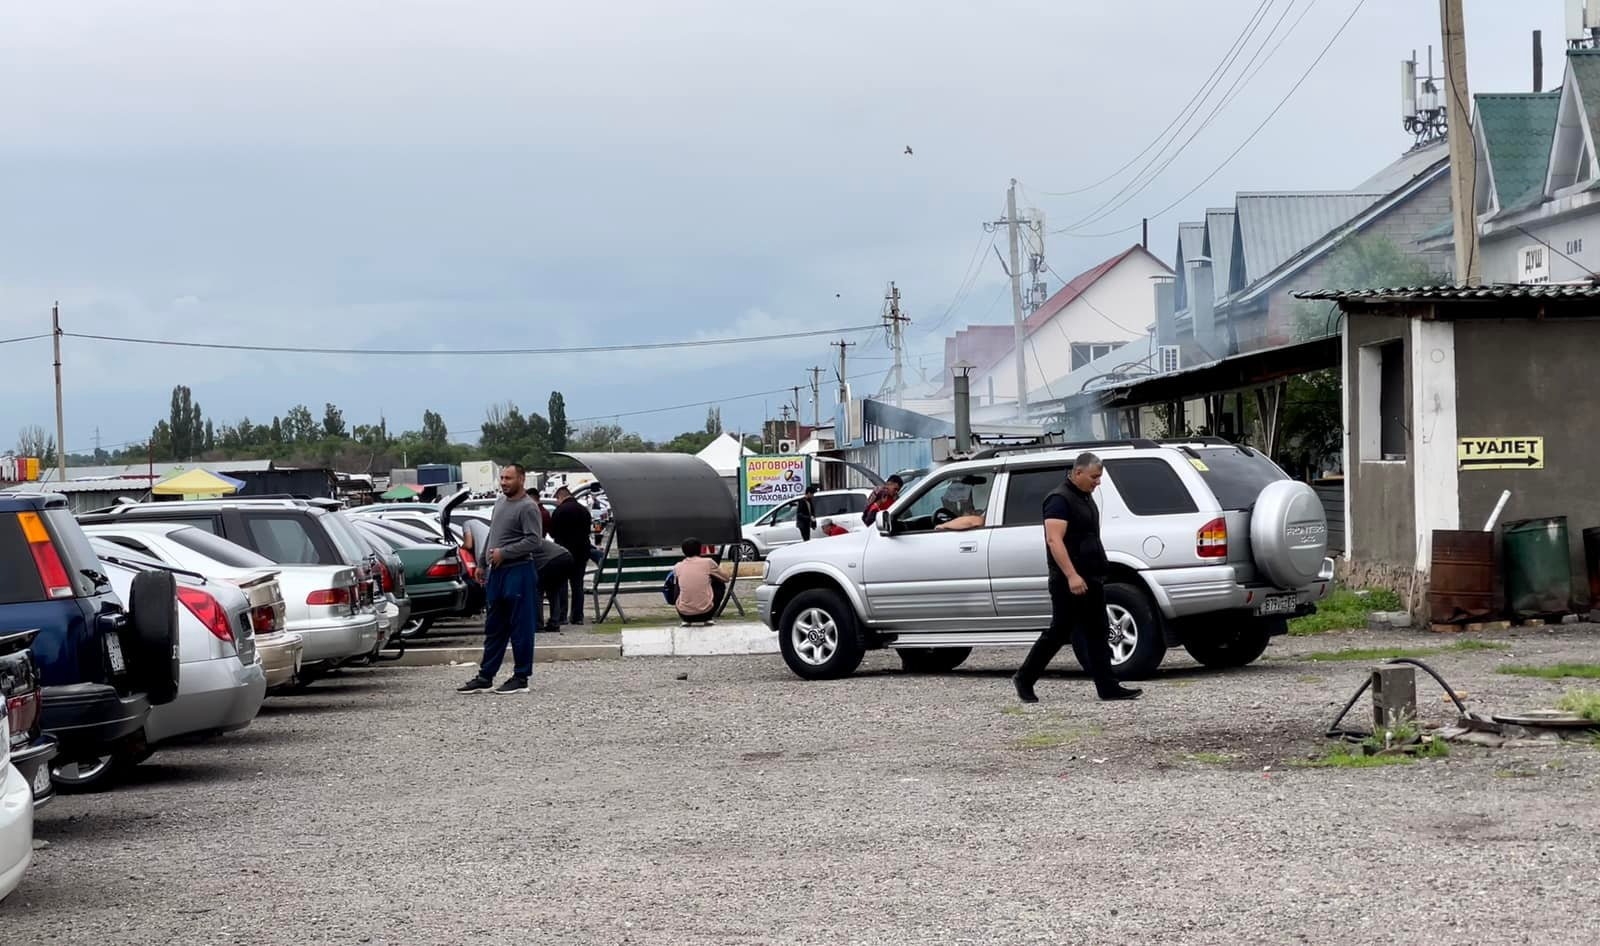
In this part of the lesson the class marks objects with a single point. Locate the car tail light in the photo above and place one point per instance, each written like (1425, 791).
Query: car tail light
(329, 597)
(52, 573)
(22, 713)
(385, 576)
(1212, 539)
(447, 567)
(471, 564)
(264, 619)
(203, 606)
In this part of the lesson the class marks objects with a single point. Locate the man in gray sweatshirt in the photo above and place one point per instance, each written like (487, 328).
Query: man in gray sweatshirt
(512, 589)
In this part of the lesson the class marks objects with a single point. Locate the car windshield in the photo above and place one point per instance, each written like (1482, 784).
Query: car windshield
(351, 548)
(218, 549)
(1236, 475)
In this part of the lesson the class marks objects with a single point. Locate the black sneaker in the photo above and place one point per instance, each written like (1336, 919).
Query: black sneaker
(513, 685)
(475, 685)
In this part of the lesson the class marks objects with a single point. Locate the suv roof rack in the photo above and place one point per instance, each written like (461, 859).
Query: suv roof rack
(989, 452)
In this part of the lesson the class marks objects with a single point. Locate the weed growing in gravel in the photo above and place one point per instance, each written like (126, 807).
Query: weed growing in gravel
(1210, 758)
(1390, 653)
(1344, 610)
(1344, 756)
(1307, 678)
(1013, 711)
(1554, 671)
(1585, 703)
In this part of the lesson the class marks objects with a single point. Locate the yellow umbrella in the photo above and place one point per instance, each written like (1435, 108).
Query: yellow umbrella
(195, 483)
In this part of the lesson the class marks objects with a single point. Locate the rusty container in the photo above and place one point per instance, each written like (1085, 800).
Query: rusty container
(1461, 585)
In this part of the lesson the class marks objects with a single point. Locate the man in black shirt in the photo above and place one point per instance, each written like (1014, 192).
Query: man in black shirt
(1077, 564)
(805, 517)
(570, 526)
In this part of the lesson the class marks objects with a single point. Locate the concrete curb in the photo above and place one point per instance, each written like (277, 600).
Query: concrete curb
(715, 641)
(469, 656)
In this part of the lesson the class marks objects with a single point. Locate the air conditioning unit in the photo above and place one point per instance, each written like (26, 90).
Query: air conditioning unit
(786, 446)
(1168, 358)
(1534, 265)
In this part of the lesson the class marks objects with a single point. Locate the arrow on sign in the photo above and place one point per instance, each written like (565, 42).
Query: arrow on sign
(1498, 461)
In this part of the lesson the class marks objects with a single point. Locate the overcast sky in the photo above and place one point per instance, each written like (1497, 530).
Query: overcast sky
(402, 174)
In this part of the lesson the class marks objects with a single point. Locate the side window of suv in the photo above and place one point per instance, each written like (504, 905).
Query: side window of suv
(1149, 486)
(956, 496)
(1025, 493)
(834, 505)
(283, 539)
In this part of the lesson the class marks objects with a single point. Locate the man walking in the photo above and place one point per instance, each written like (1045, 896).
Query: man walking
(512, 589)
(805, 517)
(570, 526)
(1077, 564)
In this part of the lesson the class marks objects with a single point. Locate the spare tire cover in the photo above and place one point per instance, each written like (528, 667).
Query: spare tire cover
(1289, 534)
(153, 613)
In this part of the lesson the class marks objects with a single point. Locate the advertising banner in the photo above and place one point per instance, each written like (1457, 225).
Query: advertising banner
(771, 481)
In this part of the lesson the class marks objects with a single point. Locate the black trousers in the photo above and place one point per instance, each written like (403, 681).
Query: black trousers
(805, 531)
(571, 600)
(1080, 619)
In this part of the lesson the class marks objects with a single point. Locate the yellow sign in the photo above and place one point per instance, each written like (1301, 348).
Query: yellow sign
(1500, 453)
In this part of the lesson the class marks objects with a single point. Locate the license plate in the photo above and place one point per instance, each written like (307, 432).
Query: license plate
(41, 781)
(119, 663)
(1278, 604)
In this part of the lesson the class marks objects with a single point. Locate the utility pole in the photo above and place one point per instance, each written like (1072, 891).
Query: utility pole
(797, 416)
(840, 436)
(894, 322)
(1458, 128)
(1016, 302)
(816, 396)
(61, 424)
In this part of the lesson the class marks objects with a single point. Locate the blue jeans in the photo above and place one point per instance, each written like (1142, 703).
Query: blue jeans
(512, 601)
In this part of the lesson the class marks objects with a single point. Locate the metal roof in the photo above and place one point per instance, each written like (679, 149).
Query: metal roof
(1219, 246)
(1517, 129)
(139, 486)
(142, 470)
(1415, 162)
(1457, 293)
(1275, 226)
(1191, 241)
(660, 499)
(1585, 66)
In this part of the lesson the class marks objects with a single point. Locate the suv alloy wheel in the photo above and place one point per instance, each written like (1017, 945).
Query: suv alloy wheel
(817, 635)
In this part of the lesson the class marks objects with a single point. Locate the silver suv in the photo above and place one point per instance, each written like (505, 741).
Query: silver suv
(1211, 546)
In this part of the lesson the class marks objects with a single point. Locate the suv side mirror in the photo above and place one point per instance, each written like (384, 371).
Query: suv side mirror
(885, 524)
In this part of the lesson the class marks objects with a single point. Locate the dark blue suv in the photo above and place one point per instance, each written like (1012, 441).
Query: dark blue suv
(102, 665)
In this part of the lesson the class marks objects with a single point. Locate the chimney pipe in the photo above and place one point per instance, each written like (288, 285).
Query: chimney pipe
(1144, 239)
(963, 409)
(1538, 62)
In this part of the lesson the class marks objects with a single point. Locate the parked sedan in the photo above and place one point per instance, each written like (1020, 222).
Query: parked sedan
(394, 600)
(220, 680)
(16, 819)
(435, 576)
(22, 696)
(321, 602)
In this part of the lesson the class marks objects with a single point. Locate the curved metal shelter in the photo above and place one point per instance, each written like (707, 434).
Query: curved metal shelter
(659, 499)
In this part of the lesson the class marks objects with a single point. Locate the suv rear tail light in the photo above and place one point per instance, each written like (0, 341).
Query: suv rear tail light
(22, 713)
(1212, 539)
(52, 574)
(328, 597)
(447, 567)
(203, 606)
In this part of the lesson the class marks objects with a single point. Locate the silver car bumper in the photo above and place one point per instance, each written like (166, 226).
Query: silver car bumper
(213, 696)
(1182, 592)
(338, 639)
(764, 595)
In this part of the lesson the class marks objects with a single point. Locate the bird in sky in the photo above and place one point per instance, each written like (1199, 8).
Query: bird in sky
(908, 149)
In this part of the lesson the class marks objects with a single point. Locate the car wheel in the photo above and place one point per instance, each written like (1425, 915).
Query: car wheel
(1134, 630)
(933, 659)
(1234, 645)
(748, 552)
(817, 636)
(153, 615)
(415, 628)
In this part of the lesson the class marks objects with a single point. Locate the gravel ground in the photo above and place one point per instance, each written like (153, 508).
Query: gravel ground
(621, 803)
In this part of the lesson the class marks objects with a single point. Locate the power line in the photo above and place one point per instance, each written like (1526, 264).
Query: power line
(1084, 297)
(1181, 112)
(585, 349)
(968, 280)
(1233, 91)
(23, 338)
(1252, 136)
(1110, 204)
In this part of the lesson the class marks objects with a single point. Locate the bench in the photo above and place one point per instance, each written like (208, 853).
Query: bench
(635, 571)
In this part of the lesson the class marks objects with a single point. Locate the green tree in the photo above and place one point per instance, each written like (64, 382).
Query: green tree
(559, 431)
(608, 438)
(274, 433)
(714, 421)
(299, 426)
(33, 441)
(433, 429)
(185, 431)
(691, 441)
(333, 426)
(211, 437)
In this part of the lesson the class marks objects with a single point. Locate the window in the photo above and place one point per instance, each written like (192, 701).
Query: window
(1085, 352)
(1382, 396)
(1149, 486)
(218, 549)
(1025, 493)
(351, 548)
(283, 539)
(73, 547)
(19, 576)
(1236, 477)
(962, 494)
(839, 504)
(784, 514)
(133, 544)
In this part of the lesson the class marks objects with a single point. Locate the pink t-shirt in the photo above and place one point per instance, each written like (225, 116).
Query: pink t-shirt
(695, 594)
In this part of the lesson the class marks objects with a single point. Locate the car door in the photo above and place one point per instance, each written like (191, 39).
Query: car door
(781, 528)
(1018, 574)
(920, 579)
